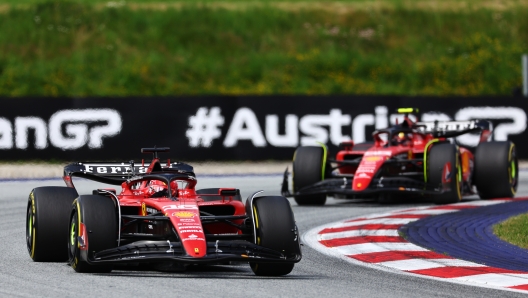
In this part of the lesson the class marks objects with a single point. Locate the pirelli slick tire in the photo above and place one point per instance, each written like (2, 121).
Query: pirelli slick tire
(496, 167)
(214, 191)
(276, 229)
(98, 215)
(443, 169)
(47, 217)
(308, 168)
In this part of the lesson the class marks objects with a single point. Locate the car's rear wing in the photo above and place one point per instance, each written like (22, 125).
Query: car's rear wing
(449, 129)
(116, 173)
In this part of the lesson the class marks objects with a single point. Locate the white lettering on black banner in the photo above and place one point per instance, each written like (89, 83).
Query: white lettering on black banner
(66, 129)
(205, 126)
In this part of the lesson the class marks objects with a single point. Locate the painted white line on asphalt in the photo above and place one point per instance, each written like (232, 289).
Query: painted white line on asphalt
(356, 249)
(420, 264)
(355, 233)
(386, 221)
(498, 280)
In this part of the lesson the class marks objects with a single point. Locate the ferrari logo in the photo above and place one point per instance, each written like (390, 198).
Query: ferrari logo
(196, 250)
(143, 209)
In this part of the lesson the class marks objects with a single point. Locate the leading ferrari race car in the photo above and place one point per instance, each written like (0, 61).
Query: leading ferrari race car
(158, 220)
(420, 159)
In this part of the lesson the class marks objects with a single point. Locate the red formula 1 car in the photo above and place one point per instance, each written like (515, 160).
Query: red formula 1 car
(158, 219)
(409, 159)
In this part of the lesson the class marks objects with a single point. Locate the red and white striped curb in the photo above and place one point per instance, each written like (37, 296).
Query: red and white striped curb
(373, 241)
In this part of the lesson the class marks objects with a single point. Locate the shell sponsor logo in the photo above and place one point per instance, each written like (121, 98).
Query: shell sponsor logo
(183, 214)
(373, 158)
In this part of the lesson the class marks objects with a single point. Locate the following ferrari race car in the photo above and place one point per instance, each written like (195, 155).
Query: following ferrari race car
(411, 158)
(158, 219)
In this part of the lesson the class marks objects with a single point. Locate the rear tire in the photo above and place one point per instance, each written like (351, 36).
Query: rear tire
(98, 214)
(308, 164)
(214, 191)
(47, 217)
(438, 157)
(276, 229)
(496, 168)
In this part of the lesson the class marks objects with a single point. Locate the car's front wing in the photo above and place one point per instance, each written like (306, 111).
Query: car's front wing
(217, 252)
(343, 186)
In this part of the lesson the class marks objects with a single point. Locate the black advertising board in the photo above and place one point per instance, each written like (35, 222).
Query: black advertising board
(227, 127)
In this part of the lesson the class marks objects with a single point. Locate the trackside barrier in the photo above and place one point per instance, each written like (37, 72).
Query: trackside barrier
(227, 127)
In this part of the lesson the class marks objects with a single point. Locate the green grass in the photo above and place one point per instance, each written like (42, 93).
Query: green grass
(75, 49)
(514, 230)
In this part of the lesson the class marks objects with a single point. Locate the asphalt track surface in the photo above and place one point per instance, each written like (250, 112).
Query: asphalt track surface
(317, 275)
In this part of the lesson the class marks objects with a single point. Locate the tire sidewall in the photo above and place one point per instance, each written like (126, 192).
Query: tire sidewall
(439, 156)
(308, 169)
(101, 231)
(276, 229)
(47, 216)
(496, 169)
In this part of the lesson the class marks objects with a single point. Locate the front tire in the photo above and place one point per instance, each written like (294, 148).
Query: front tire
(444, 170)
(496, 167)
(47, 218)
(98, 215)
(276, 229)
(308, 162)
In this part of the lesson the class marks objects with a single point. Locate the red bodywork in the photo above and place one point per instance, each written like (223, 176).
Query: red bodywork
(184, 213)
(396, 161)
(163, 219)
(412, 145)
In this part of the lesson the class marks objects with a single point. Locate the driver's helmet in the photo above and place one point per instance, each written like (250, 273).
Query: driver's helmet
(402, 138)
(156, 186)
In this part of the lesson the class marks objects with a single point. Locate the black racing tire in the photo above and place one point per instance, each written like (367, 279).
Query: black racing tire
(98, 214)
(308, 162)
(496, 170)
(276, 229)
(214, 191)
(437, 158)
(47, 218)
